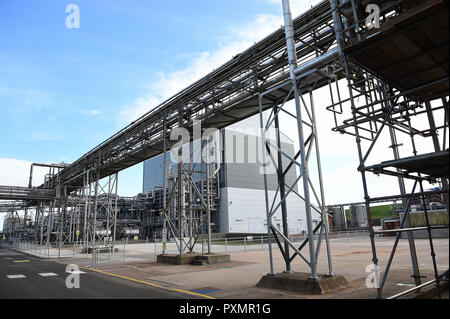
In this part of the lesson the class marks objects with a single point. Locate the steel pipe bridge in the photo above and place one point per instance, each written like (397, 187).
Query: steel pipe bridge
(223, 97)
(26, 193)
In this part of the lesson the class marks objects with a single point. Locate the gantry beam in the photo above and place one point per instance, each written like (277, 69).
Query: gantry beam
(25, 193)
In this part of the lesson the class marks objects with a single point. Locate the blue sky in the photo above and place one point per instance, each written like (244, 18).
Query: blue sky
(63, 91)
(60, 85)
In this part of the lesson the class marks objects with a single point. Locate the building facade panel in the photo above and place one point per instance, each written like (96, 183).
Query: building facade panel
(154, 173)
(245, 210)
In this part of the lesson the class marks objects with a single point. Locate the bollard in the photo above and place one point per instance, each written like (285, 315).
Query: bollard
(226, 245)
(245, 244)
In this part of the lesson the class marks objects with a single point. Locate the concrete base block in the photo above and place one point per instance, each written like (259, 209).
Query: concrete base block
(193, 258)
(177, 259)
(301, 282)
(214, 259)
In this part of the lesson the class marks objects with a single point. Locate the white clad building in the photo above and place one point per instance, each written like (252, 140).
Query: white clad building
(242, 203)
(242, 200)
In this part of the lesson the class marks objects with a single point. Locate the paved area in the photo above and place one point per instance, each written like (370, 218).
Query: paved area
(238, 278)
(23, 276)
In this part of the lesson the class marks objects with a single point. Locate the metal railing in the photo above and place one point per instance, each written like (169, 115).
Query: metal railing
(144, 250)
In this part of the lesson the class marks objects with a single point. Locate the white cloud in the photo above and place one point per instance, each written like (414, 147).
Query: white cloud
(141, 106)
(43, 137)
(14, 172)
(168, 84)
(344, 185)
(297, 6)
(92, 112)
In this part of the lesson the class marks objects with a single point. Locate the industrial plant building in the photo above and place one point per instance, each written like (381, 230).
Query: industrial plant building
(240, 202)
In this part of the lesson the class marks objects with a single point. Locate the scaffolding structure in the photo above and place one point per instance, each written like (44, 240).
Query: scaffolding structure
(379, 100)
(383, 96)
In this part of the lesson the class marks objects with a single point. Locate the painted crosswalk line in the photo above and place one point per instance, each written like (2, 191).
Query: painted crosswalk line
(48, 274)
(15, 276)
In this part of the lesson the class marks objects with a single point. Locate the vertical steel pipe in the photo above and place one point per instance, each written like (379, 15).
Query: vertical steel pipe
(292, 56)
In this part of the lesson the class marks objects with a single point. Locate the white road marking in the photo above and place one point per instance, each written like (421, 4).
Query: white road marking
(48, 274)
(15, 276)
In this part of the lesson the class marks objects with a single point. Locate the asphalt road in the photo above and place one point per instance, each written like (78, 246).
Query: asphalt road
(25, 277)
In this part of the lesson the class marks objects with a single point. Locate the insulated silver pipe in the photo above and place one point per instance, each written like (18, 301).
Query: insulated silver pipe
(317, 62)
(337, 24)
(290, 41)
(292, 56)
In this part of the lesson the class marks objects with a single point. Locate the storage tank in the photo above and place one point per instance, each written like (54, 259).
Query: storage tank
(340, 221)
(358, 216)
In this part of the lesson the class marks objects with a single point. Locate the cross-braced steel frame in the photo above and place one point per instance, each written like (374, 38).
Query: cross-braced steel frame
(192, 194)
(312, 193)
(100, 211)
